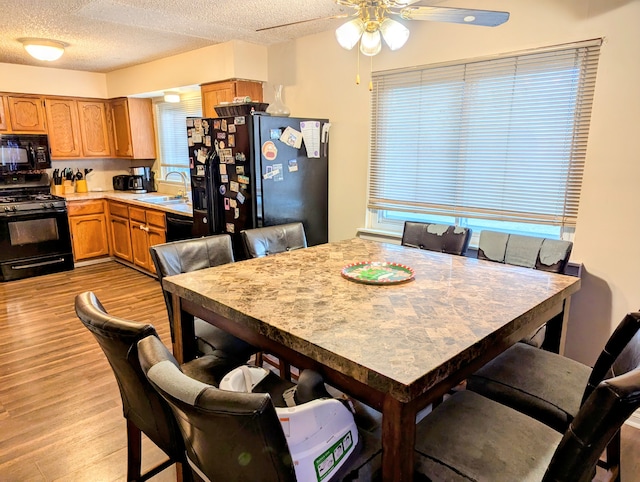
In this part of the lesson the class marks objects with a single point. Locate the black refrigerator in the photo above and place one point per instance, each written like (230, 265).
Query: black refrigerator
(251, 171)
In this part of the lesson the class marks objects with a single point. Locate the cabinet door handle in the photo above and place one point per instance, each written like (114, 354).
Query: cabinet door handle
(144, 228)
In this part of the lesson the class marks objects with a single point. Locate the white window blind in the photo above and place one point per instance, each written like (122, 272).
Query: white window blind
(172, 133)
(499, 139)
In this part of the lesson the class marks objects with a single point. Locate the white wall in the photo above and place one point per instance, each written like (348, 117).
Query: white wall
(319, 81)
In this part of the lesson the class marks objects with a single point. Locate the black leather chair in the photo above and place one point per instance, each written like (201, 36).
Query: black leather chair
(144, 410)
(261, 242)
(530, 252)
(191, 255)
(230, 435)
(436, 237)
(552, 388)
(470, 437)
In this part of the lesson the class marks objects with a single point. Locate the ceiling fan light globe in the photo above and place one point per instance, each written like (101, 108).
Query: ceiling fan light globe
(394, 33)
(349, 33)
(371, 43)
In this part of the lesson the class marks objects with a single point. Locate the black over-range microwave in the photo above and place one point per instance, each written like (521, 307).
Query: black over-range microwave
(24, 152)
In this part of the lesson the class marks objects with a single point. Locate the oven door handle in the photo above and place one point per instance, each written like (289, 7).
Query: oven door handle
(35, 265)
(39, 212)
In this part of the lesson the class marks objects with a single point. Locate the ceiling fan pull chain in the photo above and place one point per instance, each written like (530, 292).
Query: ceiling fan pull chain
(371, 76)
(358, 70)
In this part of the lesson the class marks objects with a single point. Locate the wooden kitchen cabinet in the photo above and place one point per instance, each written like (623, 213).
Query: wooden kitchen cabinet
(120, 230)
(88, 226)
(4, 124)
(148, 228)
(26, 113)
(133, 128)
(94, 121)
(63, 127)
(215, 93)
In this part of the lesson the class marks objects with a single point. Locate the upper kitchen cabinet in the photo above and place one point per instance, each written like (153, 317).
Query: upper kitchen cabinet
(215, 93)
(94, 128)
(4, 124)
(133, 129)
(26, 113)
(63, 127)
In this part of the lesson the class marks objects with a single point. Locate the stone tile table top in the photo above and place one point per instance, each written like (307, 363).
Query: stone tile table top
(401, 339)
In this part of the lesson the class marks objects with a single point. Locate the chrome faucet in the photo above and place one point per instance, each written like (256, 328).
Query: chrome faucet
(185, 192)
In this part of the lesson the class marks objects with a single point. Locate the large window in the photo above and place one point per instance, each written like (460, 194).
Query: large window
(172, 133)
(490, 144)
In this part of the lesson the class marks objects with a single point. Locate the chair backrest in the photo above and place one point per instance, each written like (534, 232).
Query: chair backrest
(620, 355)
(436, 237)
(227, 435)
(529, 251)
(141, 404)
(261, 242)
(189, 255)
(600, 417)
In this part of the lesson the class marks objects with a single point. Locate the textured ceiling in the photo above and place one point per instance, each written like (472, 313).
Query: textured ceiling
(105, 35)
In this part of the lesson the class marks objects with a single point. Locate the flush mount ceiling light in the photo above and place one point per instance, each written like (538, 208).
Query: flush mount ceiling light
(172, 96)
(43, 49)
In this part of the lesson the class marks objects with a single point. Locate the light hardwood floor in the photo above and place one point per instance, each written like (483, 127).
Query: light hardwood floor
(60, 410)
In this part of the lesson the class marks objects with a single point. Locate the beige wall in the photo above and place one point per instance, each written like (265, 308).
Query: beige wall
(319, 81)
(42, 80)
(218, 62)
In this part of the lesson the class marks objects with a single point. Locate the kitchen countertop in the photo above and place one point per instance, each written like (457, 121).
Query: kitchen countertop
(184, 209)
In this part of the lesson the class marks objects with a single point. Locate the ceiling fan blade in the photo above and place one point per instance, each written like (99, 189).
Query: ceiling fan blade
(484, 18)
(342, 15)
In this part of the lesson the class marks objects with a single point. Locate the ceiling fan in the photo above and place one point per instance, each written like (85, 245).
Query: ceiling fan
(372, 22)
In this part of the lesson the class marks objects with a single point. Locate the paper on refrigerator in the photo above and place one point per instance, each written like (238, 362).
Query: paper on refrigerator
(311, 135)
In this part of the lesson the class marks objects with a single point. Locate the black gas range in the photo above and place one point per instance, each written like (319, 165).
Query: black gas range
(23, 202)
(34, 228)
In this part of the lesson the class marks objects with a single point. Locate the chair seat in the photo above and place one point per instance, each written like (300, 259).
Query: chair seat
(210, 369)
(210, 339)
(490, 442)
(544, 385)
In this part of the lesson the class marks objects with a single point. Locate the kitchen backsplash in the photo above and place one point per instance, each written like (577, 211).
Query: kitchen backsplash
(103, 170)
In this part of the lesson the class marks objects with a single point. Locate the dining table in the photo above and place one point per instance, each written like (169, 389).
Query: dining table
(396, 345)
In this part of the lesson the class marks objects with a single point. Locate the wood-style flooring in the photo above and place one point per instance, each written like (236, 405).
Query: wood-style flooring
(60, 409)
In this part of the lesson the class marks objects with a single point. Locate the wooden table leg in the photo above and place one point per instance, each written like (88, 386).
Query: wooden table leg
(398, 440)
(184, 338)
(556, 335)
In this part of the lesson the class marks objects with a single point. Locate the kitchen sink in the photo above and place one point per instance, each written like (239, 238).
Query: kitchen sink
(163, 200)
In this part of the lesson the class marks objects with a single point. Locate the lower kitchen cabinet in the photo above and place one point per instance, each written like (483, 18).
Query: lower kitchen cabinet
(88, 226)
(148, 228)
(120, 231)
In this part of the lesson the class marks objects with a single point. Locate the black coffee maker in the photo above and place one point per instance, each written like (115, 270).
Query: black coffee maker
(144, 178)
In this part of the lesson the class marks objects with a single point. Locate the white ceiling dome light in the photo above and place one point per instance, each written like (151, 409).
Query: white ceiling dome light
(43, 49)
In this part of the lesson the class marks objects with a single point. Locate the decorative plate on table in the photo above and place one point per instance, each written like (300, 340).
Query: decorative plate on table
(378, 272)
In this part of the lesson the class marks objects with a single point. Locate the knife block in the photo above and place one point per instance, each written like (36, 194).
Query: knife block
(68, 187)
